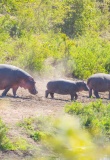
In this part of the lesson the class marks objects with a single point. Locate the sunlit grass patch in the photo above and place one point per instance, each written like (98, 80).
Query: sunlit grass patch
(34, 127)
(7, 143)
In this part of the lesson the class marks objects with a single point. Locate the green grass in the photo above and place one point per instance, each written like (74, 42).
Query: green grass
(4, 140)
(33, 127)
(14, 144)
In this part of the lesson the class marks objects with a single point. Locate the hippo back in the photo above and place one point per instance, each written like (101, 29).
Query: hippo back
(99, 82)
(61, 86)
(6, 76)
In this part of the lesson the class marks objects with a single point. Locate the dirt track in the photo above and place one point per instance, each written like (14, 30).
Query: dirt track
(13, 110)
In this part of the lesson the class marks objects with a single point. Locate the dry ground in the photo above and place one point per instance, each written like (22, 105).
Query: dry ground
(13, 110)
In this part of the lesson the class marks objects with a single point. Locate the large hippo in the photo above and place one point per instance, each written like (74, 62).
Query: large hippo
(65, 87)
(99, 82)
(14, 77)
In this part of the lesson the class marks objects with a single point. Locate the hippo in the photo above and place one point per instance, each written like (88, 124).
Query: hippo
(14, 77)
(99, 82)
(65, 87)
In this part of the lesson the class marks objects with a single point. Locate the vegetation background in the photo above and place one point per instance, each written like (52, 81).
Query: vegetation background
(38, 34)
(74, 36)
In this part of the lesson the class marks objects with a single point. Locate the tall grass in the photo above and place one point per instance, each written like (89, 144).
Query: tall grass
(15, 144)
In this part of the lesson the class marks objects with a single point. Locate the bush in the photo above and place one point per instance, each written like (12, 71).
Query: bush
(93, 116)
(90, 55)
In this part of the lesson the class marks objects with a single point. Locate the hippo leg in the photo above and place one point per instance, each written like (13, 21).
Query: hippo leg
(72, 97)
(14, 91)
(5, 91)
(96, 94)
(109, 95)
(46, 93)
(52, 95)
(76, 96)
(90, 93)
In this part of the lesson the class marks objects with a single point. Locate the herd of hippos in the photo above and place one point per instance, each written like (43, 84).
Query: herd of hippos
(14, 77)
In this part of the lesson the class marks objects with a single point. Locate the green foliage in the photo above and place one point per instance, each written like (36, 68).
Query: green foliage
(81, 17)
(80, 57)
(7, 144)
(32, 52)
(4, 141)
(37, 135)
(33, 31)
(33, 128)
(27, 123)
(35, 16)
(67, 141)
(73, 17)
(91, 55)
(95, 117)
(64, 138)
(20, 144)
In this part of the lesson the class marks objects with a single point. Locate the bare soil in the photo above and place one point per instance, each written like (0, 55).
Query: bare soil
(14, 110)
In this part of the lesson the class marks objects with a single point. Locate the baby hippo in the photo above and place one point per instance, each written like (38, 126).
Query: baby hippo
(65, 87)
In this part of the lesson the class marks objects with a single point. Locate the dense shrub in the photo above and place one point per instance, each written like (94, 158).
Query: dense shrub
(91, 55)
(93, 116)
(81, 58)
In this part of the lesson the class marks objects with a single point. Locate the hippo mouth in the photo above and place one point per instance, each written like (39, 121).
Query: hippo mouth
(33, 91)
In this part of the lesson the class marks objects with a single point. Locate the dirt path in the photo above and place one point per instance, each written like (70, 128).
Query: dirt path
(13, 110)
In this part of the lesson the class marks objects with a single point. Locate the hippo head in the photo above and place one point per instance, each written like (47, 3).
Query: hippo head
(82, 86)
(85, 87)
(29, 84)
